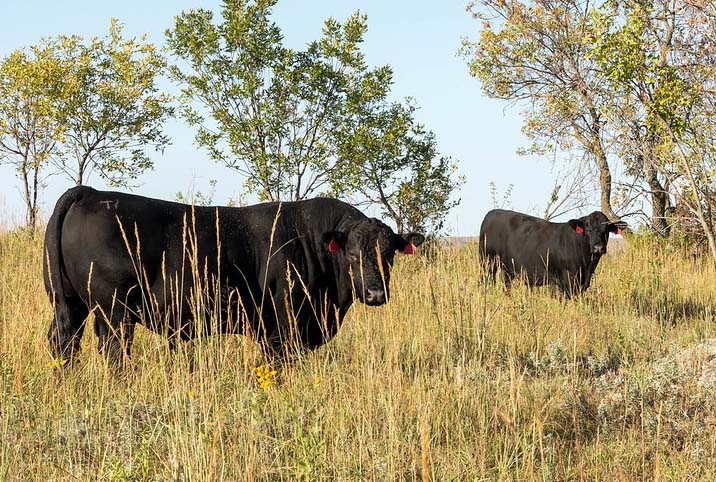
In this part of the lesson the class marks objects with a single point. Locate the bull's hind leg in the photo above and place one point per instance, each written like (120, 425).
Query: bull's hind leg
(67, 327)
(115, 336)
(508, 276)
(490, 265)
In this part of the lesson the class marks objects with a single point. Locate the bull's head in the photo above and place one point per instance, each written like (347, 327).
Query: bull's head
(595, 228)
(367, 250)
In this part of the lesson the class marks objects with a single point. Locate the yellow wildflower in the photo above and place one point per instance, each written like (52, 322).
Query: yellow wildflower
(56, 363)
(265, 375)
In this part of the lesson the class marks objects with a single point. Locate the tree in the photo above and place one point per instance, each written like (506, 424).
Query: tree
(535, 53)
(275, 110)
(399, 167)
(112, 111)
(659, 58)
(632, 46)
(30, 83)
(290, 122)
(81, 107)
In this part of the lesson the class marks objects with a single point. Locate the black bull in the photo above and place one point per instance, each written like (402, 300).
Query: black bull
(561, 254)
(285, 273)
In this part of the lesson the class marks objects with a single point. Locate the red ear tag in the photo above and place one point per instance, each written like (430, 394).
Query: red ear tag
(410, 249)
(579, 229)
(619, 230)
(333, 246)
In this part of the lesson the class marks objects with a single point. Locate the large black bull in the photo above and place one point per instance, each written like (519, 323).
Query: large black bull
(561, 254)
(285, 273)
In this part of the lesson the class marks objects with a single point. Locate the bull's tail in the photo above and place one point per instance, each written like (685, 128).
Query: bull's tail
(69, 311)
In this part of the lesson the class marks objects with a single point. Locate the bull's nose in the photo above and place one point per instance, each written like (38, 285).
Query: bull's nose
(598, 249)
(374, 297)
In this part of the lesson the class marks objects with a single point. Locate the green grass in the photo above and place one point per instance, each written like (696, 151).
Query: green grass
(451, 380)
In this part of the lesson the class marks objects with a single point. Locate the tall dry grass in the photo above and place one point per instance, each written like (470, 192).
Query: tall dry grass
(452, 380)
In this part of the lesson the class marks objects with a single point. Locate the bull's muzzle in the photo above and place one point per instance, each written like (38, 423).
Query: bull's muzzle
(374, 297)
(599, 249)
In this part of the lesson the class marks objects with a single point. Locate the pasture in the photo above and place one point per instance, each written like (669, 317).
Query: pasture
(451, 380)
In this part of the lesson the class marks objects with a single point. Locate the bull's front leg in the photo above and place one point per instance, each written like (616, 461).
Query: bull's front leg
(567, 283)
(275, 327)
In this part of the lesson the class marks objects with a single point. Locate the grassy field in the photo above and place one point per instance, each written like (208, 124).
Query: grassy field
(452, 380)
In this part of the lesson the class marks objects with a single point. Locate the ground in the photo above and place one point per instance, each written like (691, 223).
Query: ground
(453, 379)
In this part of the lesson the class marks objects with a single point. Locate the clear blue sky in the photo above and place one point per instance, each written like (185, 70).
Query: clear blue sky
(418, 39)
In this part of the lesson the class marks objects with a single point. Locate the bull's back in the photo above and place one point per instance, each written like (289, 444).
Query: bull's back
(498, 228)
(122, 239)
(520, 241)
(125, 239)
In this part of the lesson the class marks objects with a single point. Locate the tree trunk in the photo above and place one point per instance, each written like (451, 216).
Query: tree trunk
(386, 204)
(30, 195)
(35, 185)
(80, 175)
(605, 183)
(593, 145)
(659, 200)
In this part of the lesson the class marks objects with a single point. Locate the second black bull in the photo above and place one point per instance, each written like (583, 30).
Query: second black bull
(561, 254)
(285, 273)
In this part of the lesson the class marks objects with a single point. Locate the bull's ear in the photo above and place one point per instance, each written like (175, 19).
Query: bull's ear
(614, 228)
(335, 240)
(577, 225)
(415, 239)
(410, 241)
